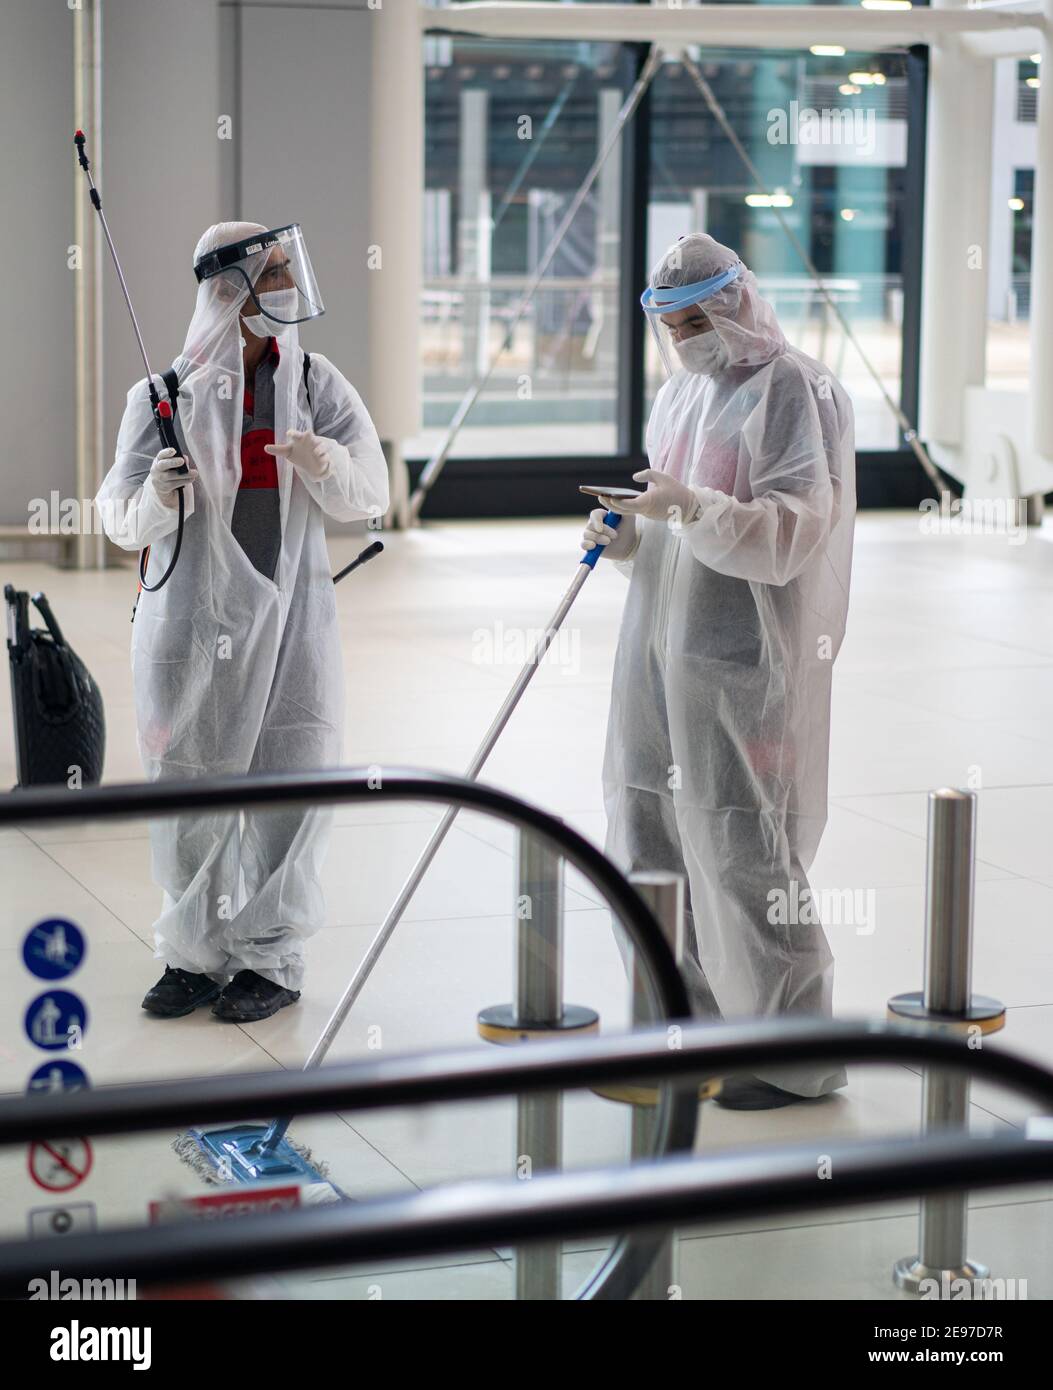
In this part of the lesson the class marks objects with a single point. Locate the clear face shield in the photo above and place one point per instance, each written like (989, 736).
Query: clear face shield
(687, 337)
(275, 268)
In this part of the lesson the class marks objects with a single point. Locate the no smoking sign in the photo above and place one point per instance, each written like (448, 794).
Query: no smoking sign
(59, 1165)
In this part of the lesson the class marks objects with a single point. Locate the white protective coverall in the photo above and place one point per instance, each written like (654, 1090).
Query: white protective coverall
(235, 672)
(718, 740)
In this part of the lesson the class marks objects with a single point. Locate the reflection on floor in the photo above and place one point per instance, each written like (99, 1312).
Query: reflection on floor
(946, 677)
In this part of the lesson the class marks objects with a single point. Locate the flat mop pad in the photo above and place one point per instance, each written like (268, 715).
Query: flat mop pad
(236, 1155)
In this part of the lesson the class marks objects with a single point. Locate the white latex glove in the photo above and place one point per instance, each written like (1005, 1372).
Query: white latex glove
(665, 499)
(619, 543)
(310, 454)
(165, 478)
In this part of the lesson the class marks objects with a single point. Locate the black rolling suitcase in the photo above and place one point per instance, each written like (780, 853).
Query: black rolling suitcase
(60, 726)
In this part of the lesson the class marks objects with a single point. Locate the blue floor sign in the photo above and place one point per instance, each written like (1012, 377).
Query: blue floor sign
(53, 949)
(56, 1020)
(57, 1075)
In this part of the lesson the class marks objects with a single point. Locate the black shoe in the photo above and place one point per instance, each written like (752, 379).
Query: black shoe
(751, 1093)
(178, 993)
(249, 997)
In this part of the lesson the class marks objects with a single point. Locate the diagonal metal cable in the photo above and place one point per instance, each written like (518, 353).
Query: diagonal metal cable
(910, 434)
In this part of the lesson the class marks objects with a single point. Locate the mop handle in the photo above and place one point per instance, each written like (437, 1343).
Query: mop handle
(357, 982)
(591, 556)
(526, 674)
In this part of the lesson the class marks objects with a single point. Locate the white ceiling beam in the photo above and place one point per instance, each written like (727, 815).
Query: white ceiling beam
(738, 26)
(1014, 43)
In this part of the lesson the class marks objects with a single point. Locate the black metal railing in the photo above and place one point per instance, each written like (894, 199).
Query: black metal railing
(667, 1191)
(629, 1260)
(673, 1189)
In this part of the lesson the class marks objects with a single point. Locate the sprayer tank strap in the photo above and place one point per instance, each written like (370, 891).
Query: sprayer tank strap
(171, 381)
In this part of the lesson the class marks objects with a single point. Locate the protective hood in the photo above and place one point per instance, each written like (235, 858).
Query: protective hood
(699, 271)
(211, 369)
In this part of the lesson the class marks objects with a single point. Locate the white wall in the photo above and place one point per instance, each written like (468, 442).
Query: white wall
(36, 174)
(304, 150)
(295, 77)
(159, 175)
(156, 166)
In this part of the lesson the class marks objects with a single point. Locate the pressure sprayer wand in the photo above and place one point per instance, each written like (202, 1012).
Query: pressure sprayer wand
(162, 410)
(273, 1137)
(366, 555)
(96, 202)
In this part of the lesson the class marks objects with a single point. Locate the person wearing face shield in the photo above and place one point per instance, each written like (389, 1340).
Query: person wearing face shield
(739, 556)
(236, 659)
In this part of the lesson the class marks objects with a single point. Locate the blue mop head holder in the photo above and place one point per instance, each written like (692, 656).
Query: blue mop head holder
(591, 556)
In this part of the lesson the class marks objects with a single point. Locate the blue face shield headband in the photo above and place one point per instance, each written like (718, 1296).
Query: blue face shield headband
(667, 301)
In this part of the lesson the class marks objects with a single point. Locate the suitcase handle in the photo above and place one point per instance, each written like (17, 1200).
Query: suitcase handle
(10, 597)
(17, 620)
(44, 609)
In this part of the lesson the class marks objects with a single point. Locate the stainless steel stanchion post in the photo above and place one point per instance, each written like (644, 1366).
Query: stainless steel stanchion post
(539, 1001)
(538, 1011)
(946, 1002)
(664, 895)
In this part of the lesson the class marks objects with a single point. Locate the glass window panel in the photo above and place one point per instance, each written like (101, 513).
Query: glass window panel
(511, 132)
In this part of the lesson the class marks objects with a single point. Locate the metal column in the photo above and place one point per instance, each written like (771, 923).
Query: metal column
(538, 1011)
(474, 228)
(946, 1001)
(539, 1003)
(608, 238)
(664, 895)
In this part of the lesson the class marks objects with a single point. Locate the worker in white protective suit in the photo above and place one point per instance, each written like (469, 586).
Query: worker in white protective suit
(739, 553)
(236, 659)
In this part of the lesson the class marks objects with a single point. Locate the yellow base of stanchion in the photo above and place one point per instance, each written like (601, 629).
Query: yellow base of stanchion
(988, 1015)
(498, 1024)
(648, 1095)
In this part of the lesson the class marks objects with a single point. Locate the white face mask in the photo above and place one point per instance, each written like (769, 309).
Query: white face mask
(281, 303)
(704, 354)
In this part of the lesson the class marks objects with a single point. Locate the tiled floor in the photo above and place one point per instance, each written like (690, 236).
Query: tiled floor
(946, 677)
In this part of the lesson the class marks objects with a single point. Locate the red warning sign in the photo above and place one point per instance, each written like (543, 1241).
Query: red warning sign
(218, 1205)
(59, 1165)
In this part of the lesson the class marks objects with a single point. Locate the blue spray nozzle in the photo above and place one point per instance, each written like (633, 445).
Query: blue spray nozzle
(591, 556)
